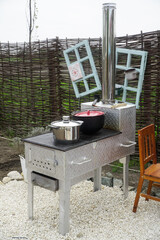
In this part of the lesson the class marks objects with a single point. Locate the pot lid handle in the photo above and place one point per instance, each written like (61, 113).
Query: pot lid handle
(66, 119)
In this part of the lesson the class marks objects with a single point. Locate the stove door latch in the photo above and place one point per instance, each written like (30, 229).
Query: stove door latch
(55, 163)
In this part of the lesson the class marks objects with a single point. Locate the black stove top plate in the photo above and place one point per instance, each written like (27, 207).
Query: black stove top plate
(47, 140)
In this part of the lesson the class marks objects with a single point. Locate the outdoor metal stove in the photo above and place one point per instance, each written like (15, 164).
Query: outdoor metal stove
(58, 167)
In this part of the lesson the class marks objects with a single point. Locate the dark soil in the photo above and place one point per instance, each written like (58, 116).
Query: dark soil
(9, 157)
(10, 161)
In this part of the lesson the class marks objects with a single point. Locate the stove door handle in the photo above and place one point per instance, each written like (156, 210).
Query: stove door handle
(83, 162)
(128, 145)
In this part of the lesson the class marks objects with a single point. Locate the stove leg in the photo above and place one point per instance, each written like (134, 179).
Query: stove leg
(30, 197)
(64, 207)
(97, 179)
(125, 162)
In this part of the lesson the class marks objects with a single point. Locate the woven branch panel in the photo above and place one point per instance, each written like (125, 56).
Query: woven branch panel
(35, 86)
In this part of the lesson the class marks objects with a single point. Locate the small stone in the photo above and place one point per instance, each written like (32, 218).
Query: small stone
(156, 191)
(109, 175)
(131, 188)
(79, 235)
(117, 182)
(107, 181)
(157, 194)
(14, 175)
(6, 180)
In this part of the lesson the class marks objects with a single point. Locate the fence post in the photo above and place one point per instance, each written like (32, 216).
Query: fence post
(52, 65)
(147, 85)
(157, 118)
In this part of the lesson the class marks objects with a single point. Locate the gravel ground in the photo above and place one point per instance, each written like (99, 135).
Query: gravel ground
(101, 215)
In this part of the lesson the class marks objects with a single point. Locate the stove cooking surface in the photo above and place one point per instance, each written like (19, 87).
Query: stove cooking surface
(47, 140)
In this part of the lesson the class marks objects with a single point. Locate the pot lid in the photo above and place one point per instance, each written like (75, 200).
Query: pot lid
(89, 113)
(66, 122)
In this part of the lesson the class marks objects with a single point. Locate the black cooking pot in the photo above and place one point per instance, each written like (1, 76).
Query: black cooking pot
(93, 120)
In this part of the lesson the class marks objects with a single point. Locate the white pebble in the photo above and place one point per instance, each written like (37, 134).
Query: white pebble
(6, 180)
(14, 175)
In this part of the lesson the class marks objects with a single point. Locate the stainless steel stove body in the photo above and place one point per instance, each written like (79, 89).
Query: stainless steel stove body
(58, 167)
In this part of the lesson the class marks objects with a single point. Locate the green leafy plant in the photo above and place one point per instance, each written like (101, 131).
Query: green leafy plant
(117, 167)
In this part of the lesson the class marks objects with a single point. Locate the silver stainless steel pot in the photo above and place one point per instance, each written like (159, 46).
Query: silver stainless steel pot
(66, 130)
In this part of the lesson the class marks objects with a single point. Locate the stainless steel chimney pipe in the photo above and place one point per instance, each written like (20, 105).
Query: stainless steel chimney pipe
(108, 53)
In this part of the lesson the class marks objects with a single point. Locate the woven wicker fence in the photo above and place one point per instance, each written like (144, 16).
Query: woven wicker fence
(35, 86)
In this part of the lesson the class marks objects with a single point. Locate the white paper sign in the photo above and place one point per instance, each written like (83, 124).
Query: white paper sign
(75, 71)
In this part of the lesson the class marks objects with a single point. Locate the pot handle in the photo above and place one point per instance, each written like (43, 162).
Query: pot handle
(80, 122)
(51, 126)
